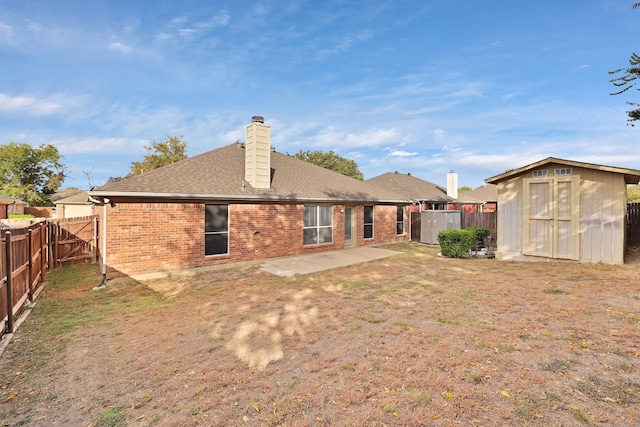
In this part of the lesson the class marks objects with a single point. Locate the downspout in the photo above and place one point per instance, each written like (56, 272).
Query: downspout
(103, 256)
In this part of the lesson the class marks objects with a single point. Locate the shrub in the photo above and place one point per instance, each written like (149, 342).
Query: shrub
(481, 234)
(456, 243)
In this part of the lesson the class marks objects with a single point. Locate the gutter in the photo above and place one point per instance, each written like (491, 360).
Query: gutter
(103, 252)
(239, 198)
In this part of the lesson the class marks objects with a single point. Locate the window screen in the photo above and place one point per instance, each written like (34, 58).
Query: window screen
(216, 229)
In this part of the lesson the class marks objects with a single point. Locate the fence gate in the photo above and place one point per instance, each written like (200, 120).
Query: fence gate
(74, 239)
(415, 226)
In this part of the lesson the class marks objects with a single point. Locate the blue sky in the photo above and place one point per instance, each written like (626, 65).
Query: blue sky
(424, 86)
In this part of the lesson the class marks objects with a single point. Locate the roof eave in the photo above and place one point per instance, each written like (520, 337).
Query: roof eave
(631, 176)
(235, 197)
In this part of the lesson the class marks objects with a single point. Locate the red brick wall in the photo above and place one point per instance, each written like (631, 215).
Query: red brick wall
(384, 225)
(151, 237)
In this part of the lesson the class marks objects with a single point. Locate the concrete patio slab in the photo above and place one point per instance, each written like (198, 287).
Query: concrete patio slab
(306, 264)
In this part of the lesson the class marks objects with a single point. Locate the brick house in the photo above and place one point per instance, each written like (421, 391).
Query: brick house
(240, 202)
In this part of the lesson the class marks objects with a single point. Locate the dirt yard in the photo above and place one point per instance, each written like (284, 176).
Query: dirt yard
(410, 340)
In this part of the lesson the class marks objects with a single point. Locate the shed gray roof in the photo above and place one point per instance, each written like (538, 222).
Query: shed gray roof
(631, 176)
(410, 187)
(219, 175)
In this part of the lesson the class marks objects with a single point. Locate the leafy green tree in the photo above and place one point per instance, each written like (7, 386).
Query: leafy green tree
(465, 188)
(30, 174)
(633, 193)
(629, 78)
(162, 153)
(332, 161)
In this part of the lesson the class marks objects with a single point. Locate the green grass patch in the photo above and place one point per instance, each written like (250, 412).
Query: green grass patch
(581, 415)
(555, 291)
(557, 366)
(445, 320)
(112, 417)
(69, 302)
(371, 318)
(349, 367)
(403, 325)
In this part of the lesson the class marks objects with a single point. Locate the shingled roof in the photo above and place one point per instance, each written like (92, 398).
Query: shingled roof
(410, 187)
(6, 200)
(485, 193)
(219, 175)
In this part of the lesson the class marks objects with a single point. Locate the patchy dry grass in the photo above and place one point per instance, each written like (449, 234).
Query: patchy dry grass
(409, 340)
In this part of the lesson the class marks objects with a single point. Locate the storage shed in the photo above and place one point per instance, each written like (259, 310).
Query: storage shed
(559, 209)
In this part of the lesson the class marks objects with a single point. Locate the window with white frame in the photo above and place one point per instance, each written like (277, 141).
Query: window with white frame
(368, 222)
(318, 225)
(216, 229)
(399, 220)
(562, 171)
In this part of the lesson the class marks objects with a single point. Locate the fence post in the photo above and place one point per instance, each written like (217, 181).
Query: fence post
(94, 235)
(43, 245)
(50, 246)
(9, 270)
(30, 254)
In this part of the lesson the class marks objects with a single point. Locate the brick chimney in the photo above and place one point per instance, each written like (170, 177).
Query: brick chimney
(452, 184)
(257, 163)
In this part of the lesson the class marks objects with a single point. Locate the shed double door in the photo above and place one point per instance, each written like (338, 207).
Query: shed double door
(551, 217)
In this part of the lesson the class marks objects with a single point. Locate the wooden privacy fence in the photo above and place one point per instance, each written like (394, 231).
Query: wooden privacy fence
(633, 225)
(487, 220)
(27, 253)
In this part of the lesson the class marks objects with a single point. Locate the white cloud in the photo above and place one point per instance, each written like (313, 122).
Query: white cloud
(103, 145)
(119, 47)
(345, 43)
(27, 104)
(6, 33)
(183, 28)
(401, 153)
(452, 147)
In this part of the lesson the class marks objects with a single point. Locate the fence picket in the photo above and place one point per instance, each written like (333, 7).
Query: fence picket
(26, 253)
(633, 225)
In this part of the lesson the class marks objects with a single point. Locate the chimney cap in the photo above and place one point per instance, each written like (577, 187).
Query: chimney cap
(258, 119)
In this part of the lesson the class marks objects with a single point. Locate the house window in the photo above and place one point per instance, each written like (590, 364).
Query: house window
(216, 229)
(539, 173)
(368, 222)
(399, 220)
(318, 225)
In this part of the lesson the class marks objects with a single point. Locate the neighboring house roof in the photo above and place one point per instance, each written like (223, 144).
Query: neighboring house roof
(66, 192)
(410, 187)
(219, 174)
(6, 200)
(77, 199)
(483, 194)
(631, 176)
